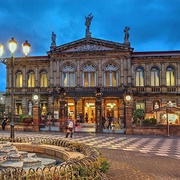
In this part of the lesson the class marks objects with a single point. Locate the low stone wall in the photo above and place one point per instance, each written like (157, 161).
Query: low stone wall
(55, 151)
(19, 127)
(162, 131)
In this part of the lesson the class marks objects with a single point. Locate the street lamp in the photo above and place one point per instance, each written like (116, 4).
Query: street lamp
(12, 47)
(169, 105)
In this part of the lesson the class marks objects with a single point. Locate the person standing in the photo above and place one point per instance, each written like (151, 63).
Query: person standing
(109, 122)
(70, 128)
(4, 123)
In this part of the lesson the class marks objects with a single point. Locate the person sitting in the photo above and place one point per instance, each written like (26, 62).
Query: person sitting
(4, 123)
(69, 128)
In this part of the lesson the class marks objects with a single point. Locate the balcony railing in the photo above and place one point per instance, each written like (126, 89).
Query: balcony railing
(144, 89)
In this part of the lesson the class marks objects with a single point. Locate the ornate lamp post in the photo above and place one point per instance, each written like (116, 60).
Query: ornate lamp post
(169, 105)
(12, 47)
(98, 94)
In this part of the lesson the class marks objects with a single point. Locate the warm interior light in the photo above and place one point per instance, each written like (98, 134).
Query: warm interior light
(26, 47)
(12, 45)
(1, 49)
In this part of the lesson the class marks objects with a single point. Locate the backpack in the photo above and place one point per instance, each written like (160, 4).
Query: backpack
(70, 125)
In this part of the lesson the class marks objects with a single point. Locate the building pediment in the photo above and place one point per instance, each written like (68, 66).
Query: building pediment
(89, 45)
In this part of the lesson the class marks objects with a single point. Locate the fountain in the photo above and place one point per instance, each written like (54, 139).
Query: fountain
(11, 157)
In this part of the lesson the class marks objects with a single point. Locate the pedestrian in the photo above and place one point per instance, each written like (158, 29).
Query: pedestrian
(109, 122)
(103, 122)
(69, 128)
(4, 123)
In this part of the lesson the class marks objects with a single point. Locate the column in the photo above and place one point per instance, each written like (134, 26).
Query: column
(36, 118)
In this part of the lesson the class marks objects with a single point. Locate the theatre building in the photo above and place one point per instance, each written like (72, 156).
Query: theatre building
(91, 79)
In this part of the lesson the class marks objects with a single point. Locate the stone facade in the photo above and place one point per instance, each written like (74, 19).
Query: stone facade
(74, 71)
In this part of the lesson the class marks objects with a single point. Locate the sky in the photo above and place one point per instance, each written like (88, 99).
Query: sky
(154, 24)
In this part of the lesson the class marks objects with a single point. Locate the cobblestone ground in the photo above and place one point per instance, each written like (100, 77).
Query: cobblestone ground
(125, 165)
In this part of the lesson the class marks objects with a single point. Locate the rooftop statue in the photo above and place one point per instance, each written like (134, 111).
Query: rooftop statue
(53, 39)
(126, 35)
(88, 23)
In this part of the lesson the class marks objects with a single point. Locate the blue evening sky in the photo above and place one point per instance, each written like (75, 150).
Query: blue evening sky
(154, 24)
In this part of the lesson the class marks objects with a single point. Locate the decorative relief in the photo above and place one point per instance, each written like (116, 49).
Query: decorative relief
(89, 47)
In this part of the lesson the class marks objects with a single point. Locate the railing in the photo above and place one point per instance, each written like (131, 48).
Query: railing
(141, 89)
(78, 168)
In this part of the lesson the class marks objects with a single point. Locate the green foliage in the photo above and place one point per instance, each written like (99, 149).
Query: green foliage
(104, 165)
(139, 114)
(149, 122)
(153, 121)
(25, 118)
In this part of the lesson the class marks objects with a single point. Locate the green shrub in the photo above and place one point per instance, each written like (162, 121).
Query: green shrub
(149, 122)
(153, 121)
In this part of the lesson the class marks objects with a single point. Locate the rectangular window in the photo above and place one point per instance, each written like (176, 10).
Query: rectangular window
(86, 79)
(170, 78)
(18, 107)
(139, 78)
(19, 80)
(107, 78)
(31, 80)
(140, 105)
(43, 81)
(114, 79)
(71, 79)
(65, 79)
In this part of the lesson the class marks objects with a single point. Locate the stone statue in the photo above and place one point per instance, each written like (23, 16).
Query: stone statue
(53, 43)
(53, 37)
(30, 108)
(88, 23)
(126, 35)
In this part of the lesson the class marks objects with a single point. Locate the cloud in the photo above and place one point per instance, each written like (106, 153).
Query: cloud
(154, 25)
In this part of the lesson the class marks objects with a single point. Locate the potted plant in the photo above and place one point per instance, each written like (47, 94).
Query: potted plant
(25, 118)
(139, 114)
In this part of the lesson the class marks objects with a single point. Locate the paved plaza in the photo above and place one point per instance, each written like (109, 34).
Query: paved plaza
(131, 157)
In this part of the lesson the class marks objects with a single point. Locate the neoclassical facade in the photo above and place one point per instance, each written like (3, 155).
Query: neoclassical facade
(88, 79)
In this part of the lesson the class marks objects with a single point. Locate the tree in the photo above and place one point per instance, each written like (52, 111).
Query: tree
(139, 114)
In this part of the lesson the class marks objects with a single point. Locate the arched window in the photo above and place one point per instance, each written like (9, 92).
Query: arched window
(170, 79)
(68, 76)
(19, 79)
(155, 76)
(89, 75)
(31, 79)
(43, 79)
(110, 75)
(139, 76)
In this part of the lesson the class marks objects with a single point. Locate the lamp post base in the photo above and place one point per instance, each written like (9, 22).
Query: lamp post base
(12, 131)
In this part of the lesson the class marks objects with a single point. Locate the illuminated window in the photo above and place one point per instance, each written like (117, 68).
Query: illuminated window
(43, 79)
(110, 75)
(31, 80)
(154, 76)
(139, 76)
(68, 76)
(18, 107)
(19, 80)
(170, 80)
(89, 75)
(140, 105)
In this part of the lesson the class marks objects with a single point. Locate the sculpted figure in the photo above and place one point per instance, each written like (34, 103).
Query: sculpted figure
(53, 38)
(126, 34)
(88, 23)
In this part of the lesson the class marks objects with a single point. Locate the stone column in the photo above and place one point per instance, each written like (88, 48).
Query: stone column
(98, 115)
(129, 114)
(98, 110)
(128, 108)
(36, 118)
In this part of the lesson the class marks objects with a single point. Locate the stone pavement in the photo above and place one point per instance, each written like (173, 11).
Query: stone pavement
(131, 157)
